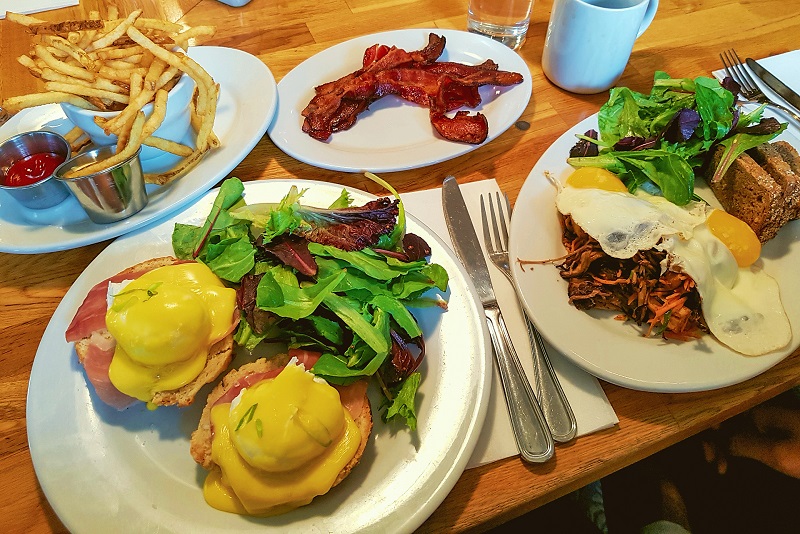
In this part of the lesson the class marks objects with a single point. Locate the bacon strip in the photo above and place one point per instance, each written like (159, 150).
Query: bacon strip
(416, 77)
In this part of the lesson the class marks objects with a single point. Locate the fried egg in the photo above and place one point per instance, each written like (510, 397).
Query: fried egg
(740, 302)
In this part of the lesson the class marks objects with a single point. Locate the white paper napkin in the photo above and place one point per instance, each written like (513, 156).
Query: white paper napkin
(26, 7)
(782, 66)
(592, 410)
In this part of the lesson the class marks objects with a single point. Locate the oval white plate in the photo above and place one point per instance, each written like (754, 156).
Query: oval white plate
(247, 102)
(614, 350)
(393, 134)
(134, 470)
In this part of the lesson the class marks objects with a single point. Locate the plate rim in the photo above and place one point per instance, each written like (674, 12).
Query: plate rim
(282, 125)
(470, 428)
(553, 160)
(69, 238)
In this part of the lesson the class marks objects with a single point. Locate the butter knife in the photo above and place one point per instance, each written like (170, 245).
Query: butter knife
(775, 84)
(533, 439)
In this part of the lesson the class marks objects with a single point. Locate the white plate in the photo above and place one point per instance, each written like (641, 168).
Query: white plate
(247, 102)
(134, 470)
(393, 134)
(613, 350)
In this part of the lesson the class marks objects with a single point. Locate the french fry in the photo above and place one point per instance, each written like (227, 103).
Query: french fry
(60, 66)
(168, 146)
(121, 64)
(184, 166)
(119, 53)
(134, 143)
(182, 39)
(73, 134)
(156, 24)
(24, 20)
(17, 103)
(83, 90)
(73, 51)
(31, 65)
(135, 87)
(116, 33)
(157, 117)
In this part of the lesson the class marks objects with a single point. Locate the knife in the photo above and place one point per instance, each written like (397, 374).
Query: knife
(534, 441)
(774, 83)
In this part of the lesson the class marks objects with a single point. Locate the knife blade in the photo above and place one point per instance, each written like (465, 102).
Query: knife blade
(774, 83)
(534, 441)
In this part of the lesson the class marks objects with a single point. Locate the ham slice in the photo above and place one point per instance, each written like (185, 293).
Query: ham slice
(96, 364)
(91, 315)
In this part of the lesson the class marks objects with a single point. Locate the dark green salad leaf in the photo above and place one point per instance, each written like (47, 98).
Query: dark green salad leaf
(334, 280)
(658, 141)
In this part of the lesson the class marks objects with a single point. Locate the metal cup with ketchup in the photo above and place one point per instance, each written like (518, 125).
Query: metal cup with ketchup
(27, 163)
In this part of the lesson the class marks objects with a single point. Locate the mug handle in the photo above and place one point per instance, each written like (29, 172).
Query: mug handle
(648, 17)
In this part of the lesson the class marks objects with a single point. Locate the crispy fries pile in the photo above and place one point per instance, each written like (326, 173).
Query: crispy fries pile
(120, 64)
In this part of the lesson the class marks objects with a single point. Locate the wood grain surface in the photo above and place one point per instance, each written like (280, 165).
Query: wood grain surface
(684, 40)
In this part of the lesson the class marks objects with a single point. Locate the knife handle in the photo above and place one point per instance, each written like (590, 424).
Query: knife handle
(527, 420)
(557, 411)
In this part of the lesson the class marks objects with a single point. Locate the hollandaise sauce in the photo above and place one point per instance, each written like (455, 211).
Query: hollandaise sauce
(279, 444)
(164, 323)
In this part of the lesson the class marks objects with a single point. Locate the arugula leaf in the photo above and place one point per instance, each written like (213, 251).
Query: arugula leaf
(292, 301)
(736, 145)
(350, 311)
(402, 407)
(230, 192)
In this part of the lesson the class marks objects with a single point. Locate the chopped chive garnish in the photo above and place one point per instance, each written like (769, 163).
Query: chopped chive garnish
(259, 428)
(247, 417)
(150, 291)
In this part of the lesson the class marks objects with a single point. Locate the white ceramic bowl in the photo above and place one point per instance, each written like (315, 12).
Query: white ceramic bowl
(175, 127)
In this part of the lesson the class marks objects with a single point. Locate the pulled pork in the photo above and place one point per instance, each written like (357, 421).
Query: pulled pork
(667, 302)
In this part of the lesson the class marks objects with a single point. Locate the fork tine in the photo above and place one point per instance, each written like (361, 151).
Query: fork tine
(500, 243)
(728, 68)
(741, 77)
(487, 238)
(503, 227)
(750, 79)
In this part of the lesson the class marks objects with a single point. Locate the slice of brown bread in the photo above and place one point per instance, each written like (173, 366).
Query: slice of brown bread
(772, 161)
(748, 192)
(220, 354)
(201, 438)
(792, 158)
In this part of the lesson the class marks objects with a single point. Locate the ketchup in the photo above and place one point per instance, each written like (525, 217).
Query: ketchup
(32, 169)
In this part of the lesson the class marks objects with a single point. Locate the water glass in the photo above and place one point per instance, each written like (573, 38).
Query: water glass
(502, 20)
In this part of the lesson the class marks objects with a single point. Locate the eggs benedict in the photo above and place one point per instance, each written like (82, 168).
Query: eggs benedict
(274, 436)
(156, 332)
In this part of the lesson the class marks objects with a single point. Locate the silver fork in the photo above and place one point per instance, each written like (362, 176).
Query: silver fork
(749, 89)
(556, 408)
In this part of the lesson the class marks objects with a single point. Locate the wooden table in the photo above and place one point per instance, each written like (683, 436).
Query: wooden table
(684, 40)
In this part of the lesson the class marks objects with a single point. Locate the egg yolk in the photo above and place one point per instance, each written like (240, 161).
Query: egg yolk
(281, 445)
(596, 178)
(736, 235)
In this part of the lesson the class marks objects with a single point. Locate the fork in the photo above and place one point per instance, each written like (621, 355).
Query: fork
(748, 87)
(556, 408)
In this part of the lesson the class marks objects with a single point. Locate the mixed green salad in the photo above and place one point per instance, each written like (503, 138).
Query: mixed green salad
(339, 281)
(658, 141)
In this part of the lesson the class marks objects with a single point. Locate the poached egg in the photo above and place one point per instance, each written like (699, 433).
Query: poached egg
(164, 323)
(279, 444)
